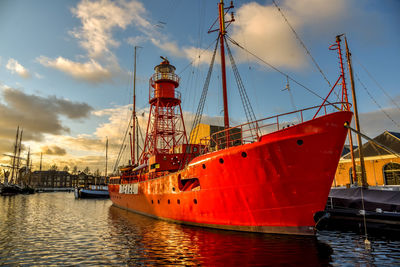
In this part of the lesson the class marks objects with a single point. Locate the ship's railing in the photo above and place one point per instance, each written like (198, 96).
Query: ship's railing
(159, 76)
(152, 94)
(252, 131)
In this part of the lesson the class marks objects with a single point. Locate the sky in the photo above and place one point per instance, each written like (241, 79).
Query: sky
(66, 66)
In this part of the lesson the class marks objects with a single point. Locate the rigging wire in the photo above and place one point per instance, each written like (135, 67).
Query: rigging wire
(291, 97)
(202, 52)
(302, 43)
(122, 145)
(250, 73)
(248, 109)
(380, 87)
(277, 70)
(200, 107)
(373, 99)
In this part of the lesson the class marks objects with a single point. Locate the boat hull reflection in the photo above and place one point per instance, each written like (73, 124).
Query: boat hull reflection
(166, 243)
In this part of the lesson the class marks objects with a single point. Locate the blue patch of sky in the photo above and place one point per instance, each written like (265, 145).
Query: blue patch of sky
(34, 28)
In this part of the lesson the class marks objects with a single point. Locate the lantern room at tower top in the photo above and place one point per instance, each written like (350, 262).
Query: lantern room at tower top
(163, 83)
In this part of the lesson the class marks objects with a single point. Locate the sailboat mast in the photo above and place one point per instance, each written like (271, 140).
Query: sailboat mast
(353, 94)
(14, 157)
(222, 33)
(40, 170)
(105, 176)
(19, 158)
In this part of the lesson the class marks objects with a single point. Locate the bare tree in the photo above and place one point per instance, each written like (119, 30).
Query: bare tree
(75, 170)
(86, 170)
(53, 167)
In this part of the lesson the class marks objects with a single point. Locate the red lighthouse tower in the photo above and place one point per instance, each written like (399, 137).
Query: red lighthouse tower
(166, 134)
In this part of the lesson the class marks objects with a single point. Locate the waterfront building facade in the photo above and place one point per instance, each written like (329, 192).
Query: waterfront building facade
(382, 167)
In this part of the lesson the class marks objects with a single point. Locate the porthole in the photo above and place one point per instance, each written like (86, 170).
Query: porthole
(244, 154)
(179, 201)
(221, 160)
(299, 142)
(158, 201)
(169, 201)
(152, 202)
(204, 166)
(195, 201)
(173, 188)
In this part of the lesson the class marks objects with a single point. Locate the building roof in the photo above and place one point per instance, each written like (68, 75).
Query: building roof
(51, 171)
(346, 149)
(397, 135)
(370, 149)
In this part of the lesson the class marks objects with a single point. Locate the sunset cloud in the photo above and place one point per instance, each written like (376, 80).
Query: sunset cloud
(37, 115)
(53, 150)
(263, 31)
(99, 18)
(16, 68)
(90, 71)
(95, 36)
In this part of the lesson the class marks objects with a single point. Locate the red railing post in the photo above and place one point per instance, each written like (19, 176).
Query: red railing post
(277, 122)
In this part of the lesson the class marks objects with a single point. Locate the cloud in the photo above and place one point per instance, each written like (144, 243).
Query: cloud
(262, 29)
(99, 18)
(37, 115)
(37, 75)
(90, 71)
(118, 118)
(54, 150)
(15, 67)
(95, 35)
(200, 56)
(374, 123)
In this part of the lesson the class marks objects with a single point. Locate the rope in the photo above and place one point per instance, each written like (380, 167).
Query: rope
(373, 141)
(122, 145)
(302, 44)
(188, 65)
(248, 109)
(203, 97)
(277, 70)
(373, 99)
(380, 87)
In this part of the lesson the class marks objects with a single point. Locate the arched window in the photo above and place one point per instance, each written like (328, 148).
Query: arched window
(391, 173)
(358, 173)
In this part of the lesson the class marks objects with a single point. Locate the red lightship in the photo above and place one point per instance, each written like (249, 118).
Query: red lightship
(258, 177)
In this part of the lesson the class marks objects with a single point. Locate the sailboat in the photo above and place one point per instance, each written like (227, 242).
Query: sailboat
(255, 177)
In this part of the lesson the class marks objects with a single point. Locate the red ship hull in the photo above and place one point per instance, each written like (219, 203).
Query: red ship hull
(274, 185)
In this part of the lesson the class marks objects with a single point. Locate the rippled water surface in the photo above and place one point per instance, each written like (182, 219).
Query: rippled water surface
(56, 229)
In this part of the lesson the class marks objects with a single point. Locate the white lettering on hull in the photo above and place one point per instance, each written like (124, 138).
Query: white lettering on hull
(128, 189)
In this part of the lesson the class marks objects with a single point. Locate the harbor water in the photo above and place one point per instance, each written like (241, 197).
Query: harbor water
(56, 229)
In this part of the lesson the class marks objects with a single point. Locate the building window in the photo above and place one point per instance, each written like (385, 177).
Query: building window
(391, 173)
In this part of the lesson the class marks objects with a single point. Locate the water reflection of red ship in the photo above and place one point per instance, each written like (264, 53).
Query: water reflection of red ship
(172, 244)
(257, 177)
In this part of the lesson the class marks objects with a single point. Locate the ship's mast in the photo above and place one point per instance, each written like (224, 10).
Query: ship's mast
(353, 92)
(345, 99)
(222, 33)
(134, 111)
